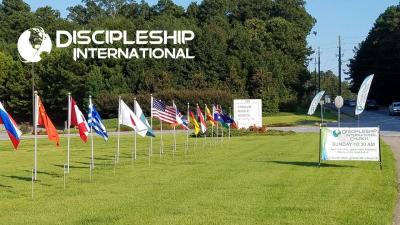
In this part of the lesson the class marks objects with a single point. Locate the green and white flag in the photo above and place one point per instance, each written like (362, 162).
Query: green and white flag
(363, 94)
(315, 102)
(140, 115)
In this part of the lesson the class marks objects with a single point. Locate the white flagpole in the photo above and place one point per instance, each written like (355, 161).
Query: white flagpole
(134, 130)
(135, 145)
(205, 121)
(162, 142)
(222, 133)
(195, 143)
(187, 131)
(230, 115)
(68, 129)
(212, 135)
(212, 128)
(151, 124)
(201, 130)
(217, 132)
(119, 127)
(35, 122)
(222, 129)
(174, 148)
(91, 131)
(198, 119)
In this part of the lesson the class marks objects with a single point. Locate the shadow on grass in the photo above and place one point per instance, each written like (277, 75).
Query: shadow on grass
(101, 158)
(305, 164)
(5, 186)
(18, 178)
(73, 167)
(46, 173)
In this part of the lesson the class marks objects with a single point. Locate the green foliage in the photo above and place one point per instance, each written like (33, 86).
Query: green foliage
(252, 131)
(378, 54)
(243, 49)
(330, 84)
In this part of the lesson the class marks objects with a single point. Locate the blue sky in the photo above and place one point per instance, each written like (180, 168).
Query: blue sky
(352, 19)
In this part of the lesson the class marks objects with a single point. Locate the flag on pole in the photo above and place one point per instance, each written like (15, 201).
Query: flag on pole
(129, 118)
(163, 112)
(363, 94)
(315, 102)
(42, 119)
(180, 120)
(94, 122)
(142, 117)
(203, 124)
(217, 114)
(226, 120)
(11, 126)
(234, 125)
(193, 121)
(78, 120)
(210, 117)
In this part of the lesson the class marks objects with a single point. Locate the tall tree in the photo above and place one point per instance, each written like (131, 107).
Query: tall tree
(378, 54)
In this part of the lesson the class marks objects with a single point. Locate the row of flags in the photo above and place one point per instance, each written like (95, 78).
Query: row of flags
(136, 120)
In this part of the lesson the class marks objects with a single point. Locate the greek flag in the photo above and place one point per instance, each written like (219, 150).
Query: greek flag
(94, 121)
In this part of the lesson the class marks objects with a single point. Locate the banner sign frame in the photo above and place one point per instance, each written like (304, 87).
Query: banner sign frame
(247, 112)
(349, 144)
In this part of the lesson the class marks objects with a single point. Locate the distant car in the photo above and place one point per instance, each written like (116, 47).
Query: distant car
(394, 108)
(351, 103)
(371, 104)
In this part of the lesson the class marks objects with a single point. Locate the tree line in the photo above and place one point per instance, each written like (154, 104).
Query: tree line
(379, 54)
(243, 49)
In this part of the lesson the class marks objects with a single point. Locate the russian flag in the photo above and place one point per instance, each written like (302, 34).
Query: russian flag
(11, 126)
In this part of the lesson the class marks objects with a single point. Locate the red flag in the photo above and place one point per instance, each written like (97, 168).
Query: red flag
(44, 120)
(203, 124)
(78, 120)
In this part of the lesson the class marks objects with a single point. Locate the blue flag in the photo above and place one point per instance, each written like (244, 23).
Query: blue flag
(94, 122)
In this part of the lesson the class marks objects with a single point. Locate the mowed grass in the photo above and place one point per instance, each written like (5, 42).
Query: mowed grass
(283, 119)
(247, 180)
(270, 119)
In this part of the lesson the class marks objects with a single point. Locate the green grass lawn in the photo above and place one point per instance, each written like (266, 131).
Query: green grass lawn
(248, 180)
(270, 119)
(297, 118)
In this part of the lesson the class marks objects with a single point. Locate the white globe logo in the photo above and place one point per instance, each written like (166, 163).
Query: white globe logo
(32, 43)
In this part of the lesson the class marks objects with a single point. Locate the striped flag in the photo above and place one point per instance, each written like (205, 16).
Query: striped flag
(193, 121)
(210, 117)
(203, 124)
(163, 112)
(78, 120)
(11, 127)
(94, 122)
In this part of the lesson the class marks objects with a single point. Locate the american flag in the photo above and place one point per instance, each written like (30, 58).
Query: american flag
(163, 112)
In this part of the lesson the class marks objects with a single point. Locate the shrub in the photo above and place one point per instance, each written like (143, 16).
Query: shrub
(25, 128)
(252, 131)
